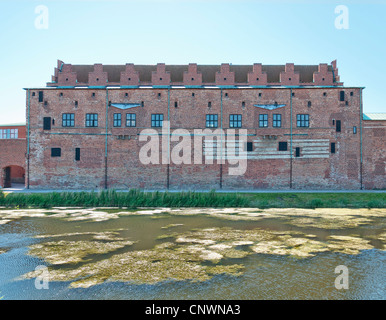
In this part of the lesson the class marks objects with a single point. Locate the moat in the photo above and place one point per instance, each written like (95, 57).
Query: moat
(195, 253)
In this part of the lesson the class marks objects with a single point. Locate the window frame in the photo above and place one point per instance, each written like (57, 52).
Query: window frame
(211, 121)
(68, 122)
(91, 120)
(117, 120)
(132, 122)
(276, 120)
(303, 120)
(235, 121)
(263, 120)
(157, 120)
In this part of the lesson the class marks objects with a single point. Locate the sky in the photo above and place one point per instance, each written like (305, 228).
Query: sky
(187, 31)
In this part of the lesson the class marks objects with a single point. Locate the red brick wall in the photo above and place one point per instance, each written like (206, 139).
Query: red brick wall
(267, 167)
(12, 153)
(374, 154)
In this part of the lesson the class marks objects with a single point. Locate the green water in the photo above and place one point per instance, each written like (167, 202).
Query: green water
(265, 275)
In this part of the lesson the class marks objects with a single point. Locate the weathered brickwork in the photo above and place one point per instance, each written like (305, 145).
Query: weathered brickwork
(13, 156)
(374, 154)
(184, 95)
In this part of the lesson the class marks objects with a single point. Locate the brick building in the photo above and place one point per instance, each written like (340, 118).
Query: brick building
(13, 146)
(304, 128)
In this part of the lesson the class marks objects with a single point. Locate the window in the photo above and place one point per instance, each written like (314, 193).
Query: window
(243, 104)
(332, 147)
(157, 120)
(159, 94)
(68, 120)
(276, 120)
(325, 94)
(40, 96)
(351, 93)
(76, 104)
(354, 130)
(259, 94)
(338, 126)
(47, 123)
(297, 152)
(263, 120)
(175, 104)
(131, 120)
(283, 146)
(77, 154)
(117, 120)
(249, 146)
(93, 94)
(9, 133)
(91, 119)
(56, 152)
(341, 95)
(302, 120)
(211, 120)
(309, 104)
(235, 120)
(226, 94)
(209, 104)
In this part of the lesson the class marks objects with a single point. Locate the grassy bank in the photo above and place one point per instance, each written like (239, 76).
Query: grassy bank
(136, 198)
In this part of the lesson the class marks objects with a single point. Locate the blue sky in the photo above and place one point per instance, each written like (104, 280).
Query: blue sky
(183, 31)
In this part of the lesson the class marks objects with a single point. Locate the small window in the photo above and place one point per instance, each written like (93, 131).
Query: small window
(263, 120)
(209, 104)
(61, 94)
(142, 104)
(309, 104)
(333, 122)
(283, 146)
(126, 94)
(33, 94)
(276, 120)
(341, 95)
(157, 120)
(47, 123)
(56, 152)
(297, 152)
(93, 94)
(117, 120)
(211, 120)
(76, 104)
(257, 79)
(302, 120)
(338, 126)
(351, 93)
(354, 130)
(325, 94)
(249, 147)
(91, 120)
(77, 154)
(235, 120)
(159, 94)
(40, 96)
(192, 94)
(332, 147)
(259, 94)
(175, 104)
(68, 120)
(131, 120)
(293, 94)
(226, 94)
(243, 104)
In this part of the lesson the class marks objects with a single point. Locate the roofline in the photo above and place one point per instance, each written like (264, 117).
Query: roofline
(195, 87)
